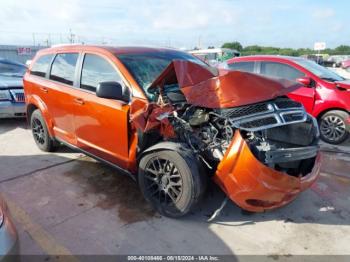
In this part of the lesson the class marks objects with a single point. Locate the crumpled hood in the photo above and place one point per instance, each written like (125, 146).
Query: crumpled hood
(221, 89)
(8, 81)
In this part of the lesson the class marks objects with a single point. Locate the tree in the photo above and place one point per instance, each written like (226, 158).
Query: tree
(270, 50)
(342, 50)
(252, 50)
(233, 45)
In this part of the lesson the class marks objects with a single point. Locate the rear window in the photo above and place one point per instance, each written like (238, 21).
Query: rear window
(63, 68)
(242, 66)
(41, 65)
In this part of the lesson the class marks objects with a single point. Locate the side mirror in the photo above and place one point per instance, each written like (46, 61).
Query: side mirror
(111, 90)
(306, 81)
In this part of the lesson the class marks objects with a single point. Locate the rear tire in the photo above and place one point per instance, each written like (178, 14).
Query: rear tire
(334, 126)
(40, 134)
(171, 181)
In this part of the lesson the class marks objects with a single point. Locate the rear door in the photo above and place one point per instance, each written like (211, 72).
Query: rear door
(305, 95)
(60, 91)
(101, 125)
(38, 72)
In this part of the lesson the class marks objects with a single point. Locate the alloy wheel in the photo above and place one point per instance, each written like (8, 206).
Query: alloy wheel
(163, 181)
(38, 131)
(333, 128)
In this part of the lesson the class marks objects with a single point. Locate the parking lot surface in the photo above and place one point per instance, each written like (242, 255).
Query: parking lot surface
(66, 203)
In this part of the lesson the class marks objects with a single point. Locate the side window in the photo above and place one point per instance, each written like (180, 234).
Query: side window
(242, 66)
(96, 70)
(41, 65)
(279, 70)
(63, 68)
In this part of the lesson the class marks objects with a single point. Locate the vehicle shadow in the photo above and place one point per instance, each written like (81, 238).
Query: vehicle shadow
(8, 124)
(72, 188)
(102, 207)
(320, 204)
(324, 203)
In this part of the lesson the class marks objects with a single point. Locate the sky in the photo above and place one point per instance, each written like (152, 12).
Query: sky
(176, 23)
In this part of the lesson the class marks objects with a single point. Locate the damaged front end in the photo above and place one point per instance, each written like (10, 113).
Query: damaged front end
(259, 146)
(272, 157)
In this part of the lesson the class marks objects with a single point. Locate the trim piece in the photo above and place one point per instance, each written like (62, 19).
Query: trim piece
(75, 148)
(273, 116)
(283, 155)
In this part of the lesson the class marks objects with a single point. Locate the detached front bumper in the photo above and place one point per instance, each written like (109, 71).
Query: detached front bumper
(10, 109)
(254, 186)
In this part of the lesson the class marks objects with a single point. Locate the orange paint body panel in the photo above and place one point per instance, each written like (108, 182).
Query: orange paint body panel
(145, 118)
(224, 90)
(234, 88)
(254, 186)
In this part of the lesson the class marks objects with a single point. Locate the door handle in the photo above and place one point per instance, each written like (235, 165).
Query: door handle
(44, 89)
(79, 101)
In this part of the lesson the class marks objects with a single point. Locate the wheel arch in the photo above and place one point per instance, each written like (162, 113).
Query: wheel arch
(165, 145)
(30, 109)
(179, 147)
(326, 110)
(35, 102)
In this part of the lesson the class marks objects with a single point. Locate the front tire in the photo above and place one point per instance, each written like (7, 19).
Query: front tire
(171, 181)
(40, 134)
(334, 126)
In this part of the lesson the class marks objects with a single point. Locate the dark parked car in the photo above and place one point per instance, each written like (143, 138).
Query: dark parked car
(11, 89)
(8, 234)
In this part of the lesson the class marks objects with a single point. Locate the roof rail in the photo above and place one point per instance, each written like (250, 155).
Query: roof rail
(68, 44)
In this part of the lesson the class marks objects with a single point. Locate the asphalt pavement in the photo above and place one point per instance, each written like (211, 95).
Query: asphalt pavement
(65, 203)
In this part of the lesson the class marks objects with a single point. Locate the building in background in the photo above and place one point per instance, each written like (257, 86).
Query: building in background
(214, 56)
(19, 53)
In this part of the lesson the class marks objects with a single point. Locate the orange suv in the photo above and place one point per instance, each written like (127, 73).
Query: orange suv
(171, 122)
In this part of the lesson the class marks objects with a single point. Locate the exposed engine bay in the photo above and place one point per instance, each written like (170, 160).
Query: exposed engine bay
(279, 132)
(241, 129)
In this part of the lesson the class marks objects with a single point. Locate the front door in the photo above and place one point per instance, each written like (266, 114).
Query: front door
(59, 89)
(101, 125)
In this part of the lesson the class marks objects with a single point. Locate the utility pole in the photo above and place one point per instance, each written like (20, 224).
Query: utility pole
(33, 39)
(71, 36)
